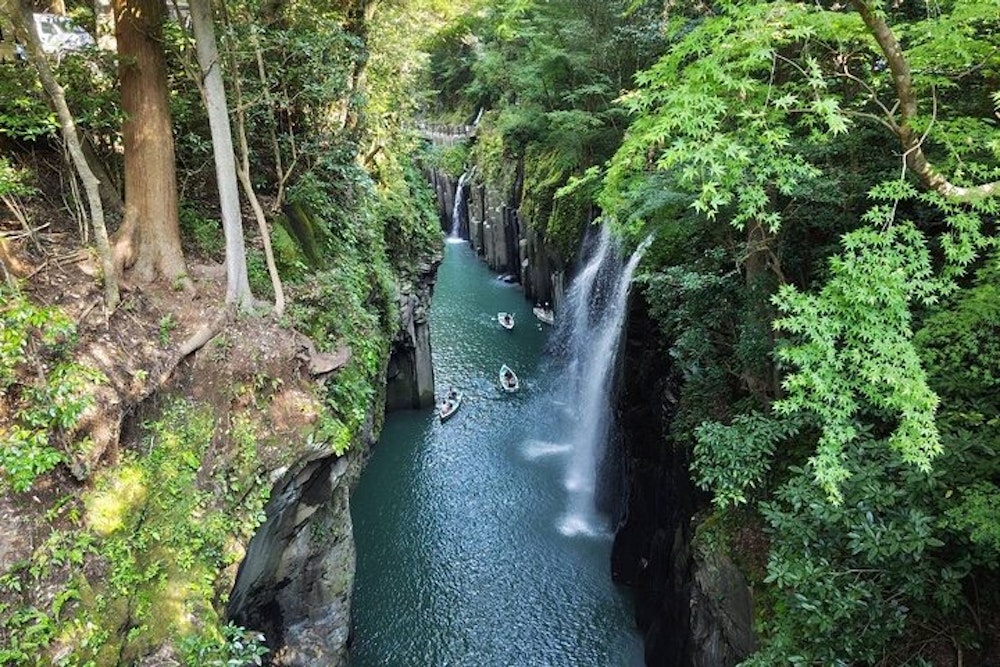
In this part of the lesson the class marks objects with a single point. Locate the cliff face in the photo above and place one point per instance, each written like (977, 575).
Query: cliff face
(410, 376)
(692, 602)
(509, 244)
(296, 581)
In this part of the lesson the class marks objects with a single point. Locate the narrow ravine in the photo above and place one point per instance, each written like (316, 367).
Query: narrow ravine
(461, 560)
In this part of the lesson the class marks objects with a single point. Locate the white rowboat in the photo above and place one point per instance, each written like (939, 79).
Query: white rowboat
(508, 380)
(450, 405)
(544, 314)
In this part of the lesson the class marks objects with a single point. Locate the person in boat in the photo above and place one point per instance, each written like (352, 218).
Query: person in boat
(452, 395)
(508, 378)
(507, 319)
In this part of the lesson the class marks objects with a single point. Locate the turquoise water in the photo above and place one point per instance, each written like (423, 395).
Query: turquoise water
(460, 559)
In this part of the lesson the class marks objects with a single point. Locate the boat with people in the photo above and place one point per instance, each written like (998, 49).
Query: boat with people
(506, 320)
(508, 379)
(544, 314)
(450, 404)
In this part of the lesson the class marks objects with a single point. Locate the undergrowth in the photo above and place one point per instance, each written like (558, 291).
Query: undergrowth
(46, 391)
(150, 549)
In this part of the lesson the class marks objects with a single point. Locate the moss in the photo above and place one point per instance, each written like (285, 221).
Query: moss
(299, 222)
(114, 498)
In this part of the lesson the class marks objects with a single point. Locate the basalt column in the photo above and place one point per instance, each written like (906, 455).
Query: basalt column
(410, 376)
(692, 603)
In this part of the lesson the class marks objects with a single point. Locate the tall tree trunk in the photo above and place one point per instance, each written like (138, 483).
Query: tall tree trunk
(243, 171)
(762, 275)
(149, 239)
(26, 25)
(237, 286)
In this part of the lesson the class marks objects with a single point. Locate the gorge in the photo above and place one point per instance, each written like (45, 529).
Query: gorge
(772, 438)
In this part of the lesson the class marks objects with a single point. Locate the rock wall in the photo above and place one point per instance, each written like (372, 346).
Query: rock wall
(410, 377)
(510, 245)
(444, 187)
(297, 578)
(296, 581)
(692, 604)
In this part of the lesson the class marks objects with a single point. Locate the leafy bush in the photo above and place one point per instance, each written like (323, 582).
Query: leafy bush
(733, 460)
(13, 181)
(233, 647)
(23, 111)
(204, 233)
(448, 158)
(46, 392)
(405, 211)
(848, 577)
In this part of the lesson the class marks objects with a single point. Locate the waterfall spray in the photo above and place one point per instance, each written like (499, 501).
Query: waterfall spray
(591, 327)
(456, 213)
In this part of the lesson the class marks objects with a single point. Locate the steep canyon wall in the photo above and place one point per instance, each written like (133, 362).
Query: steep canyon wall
(692, 602)
(297, 578)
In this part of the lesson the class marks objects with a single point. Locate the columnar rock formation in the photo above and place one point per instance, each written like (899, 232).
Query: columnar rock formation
(410, 377)
(692, 603)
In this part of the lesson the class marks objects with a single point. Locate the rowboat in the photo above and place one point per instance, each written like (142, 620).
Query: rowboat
(544, 314)
(508, 380)
(506, 320)
(450, 405)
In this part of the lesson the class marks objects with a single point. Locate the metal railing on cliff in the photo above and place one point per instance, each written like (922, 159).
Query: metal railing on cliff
(444, 133)
(447, 133)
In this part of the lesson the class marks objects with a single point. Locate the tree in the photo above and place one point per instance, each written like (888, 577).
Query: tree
(148, 241)
(237, 286)
(874, 491)
(26, 26)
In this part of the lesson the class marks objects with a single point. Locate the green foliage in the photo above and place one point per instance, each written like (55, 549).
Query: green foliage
(447, 158)
(23, 111)
(976, 515)
(45, 391)
(960, 343)
(232, 647)
(712, 114)
(363, 319)
(732, 460)
(701, 306)
(851, 352)
(849, 577)
(165, 535)
(204, 233)
(405, 211)
(13, 181)
(547, 74)
(166, 325)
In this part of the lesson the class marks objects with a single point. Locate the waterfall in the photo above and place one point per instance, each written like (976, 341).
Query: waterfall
(456, 213)
(589, 330)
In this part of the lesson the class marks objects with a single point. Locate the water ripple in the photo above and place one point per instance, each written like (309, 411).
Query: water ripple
(461, 560)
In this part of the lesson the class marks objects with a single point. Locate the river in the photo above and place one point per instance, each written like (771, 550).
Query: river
(460, 556)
